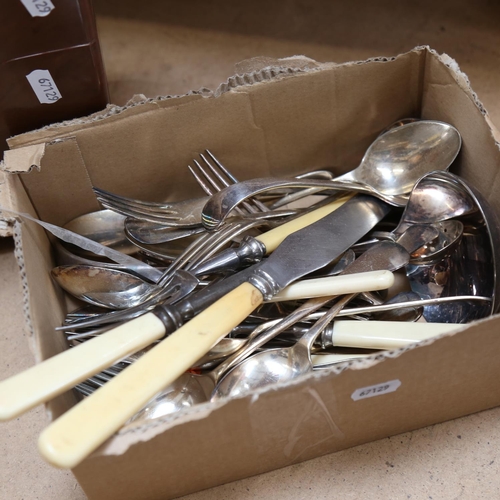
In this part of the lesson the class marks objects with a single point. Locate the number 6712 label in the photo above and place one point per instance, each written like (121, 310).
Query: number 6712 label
(375, 390)
(38, 8)
(44, 86)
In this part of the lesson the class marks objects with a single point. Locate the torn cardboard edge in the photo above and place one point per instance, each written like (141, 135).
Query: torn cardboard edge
(30, 157)
(133, 434)
(259, 70)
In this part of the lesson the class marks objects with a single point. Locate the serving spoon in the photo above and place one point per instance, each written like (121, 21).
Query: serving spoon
(389, 169)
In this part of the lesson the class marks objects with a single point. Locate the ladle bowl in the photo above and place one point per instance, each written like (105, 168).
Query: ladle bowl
(472, 268)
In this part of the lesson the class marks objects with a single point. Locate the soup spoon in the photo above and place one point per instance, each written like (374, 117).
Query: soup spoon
(388, 170)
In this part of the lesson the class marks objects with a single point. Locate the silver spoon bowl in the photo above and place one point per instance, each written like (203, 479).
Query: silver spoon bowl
(389, 169)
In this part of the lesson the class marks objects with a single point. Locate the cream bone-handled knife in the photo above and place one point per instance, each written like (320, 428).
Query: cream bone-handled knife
(52, 377)
(100, 415)
(59, 373)
(380, 335)
(194, 303)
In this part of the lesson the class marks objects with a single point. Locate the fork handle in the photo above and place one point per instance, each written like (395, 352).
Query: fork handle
(77, 433)
(271, 239)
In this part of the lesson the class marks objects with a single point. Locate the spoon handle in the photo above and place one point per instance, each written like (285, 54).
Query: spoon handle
(106, 410)
(56, 375)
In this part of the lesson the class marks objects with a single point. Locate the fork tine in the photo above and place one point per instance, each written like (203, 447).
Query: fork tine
(221, 166)
(217, 172)
(209, 178)
(199, 180)
(256, 203)
(248, 204)
(252, 206)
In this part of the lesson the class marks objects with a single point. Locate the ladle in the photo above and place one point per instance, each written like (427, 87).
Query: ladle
(388, 170)
(471, 269)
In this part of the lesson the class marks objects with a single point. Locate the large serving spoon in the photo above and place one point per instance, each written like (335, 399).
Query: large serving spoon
(388, 170)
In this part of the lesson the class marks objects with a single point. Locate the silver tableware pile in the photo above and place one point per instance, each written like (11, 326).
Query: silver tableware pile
(282, 340)
(304, 266)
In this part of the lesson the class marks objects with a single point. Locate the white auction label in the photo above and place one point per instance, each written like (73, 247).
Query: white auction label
(44, 86)
(38, 8)
(375, 390)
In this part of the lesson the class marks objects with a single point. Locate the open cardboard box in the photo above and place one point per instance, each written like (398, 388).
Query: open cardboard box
(287, 117)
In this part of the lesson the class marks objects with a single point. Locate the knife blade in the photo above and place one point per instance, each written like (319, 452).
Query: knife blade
(100, 415)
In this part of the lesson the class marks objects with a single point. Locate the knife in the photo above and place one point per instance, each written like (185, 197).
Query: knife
(54, 376)
(100, 415)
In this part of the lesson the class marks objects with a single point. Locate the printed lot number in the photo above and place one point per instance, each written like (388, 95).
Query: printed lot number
(38, 8)
(375, 390)
(44, 86)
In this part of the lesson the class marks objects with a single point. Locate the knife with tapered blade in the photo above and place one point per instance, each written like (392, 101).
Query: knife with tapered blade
(48, 379)
(68, 440)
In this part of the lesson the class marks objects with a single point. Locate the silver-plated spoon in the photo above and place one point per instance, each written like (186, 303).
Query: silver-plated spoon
(104, 287)
(389, 169)
(276, 365)
(105, 227)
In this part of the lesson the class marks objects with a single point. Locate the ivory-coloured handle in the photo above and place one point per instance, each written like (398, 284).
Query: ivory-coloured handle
(385, 334)
(271, 239)
(336, 285)
(72, 437)
(325, 360)
(56, 375)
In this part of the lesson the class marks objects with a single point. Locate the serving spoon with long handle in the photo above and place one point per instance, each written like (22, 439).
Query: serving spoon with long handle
(389, 169)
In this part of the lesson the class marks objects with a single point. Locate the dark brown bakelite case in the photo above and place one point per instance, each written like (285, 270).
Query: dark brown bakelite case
(59, 38)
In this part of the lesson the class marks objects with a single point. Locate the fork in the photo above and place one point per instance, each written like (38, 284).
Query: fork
(224, 178)
(204, 247)
(185, 213)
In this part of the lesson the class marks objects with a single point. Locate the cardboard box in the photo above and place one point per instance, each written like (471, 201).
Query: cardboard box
(288, 117)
